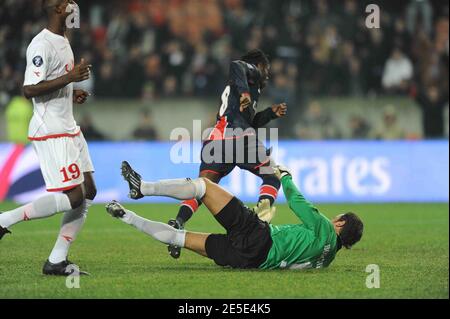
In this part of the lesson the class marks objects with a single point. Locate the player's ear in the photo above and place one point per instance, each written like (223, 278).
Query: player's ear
(59, 8)
(339, 223)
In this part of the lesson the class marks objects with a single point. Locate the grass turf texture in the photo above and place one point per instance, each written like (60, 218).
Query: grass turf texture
(409, 242)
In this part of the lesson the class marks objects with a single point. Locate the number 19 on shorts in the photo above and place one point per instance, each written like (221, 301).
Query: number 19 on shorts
(70, 172)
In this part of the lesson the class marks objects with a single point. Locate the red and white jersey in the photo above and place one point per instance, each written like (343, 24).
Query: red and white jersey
(50, 56)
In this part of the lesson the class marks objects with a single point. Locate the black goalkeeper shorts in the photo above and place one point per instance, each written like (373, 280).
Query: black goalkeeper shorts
(247, 242)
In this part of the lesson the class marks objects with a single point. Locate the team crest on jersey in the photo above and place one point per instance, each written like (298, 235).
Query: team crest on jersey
(38, 61)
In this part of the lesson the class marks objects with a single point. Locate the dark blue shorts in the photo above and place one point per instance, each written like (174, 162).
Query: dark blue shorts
(222, 156)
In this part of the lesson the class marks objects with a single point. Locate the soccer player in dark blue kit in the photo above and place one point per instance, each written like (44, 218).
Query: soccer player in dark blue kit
(233, 141)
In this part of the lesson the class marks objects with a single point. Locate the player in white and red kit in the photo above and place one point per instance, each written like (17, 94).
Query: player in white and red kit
(59, 143)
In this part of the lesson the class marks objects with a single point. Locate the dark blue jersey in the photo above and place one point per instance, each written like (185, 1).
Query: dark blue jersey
(243, 78)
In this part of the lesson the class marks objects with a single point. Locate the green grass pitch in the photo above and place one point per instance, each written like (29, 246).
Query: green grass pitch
(409, 243)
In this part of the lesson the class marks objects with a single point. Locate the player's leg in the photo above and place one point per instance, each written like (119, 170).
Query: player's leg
(268, 192)
(196, 242)
(188, 208)
(51, 154)
(73, 220)
(45, 206)
(159, 231)
(211, 194)
(89, 186)
(269, 187)
(162, 232)
(258, 162)
(217, 247)
(212, 167)
(183, 188)
(216, 199)
(247, 241)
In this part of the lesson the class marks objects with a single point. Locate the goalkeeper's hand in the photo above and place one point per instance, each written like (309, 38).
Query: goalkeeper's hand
(264, 211)
(281, 171)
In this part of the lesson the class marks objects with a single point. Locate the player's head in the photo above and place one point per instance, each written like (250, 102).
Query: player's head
(58, 8)
(349, 228)
(259, 59)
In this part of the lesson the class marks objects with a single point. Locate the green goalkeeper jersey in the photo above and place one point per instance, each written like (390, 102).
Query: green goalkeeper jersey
(312, 244)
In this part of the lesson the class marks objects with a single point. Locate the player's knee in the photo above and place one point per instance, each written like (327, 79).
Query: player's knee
(204, 185)
(215, 178)
(271, 180)
(205, 179)
(91, 192)
(76, 196)
(76, 202)
(89, 186)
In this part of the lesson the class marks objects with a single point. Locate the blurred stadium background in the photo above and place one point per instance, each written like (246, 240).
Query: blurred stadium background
(169, 59)
(160, 65)
(367, 127)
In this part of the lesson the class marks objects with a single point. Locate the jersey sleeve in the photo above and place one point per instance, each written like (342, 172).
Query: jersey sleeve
(263, 117)
(241, 73)
(306, 211)
(38, 64)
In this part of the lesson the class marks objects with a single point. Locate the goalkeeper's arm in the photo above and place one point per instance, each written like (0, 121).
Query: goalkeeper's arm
(297, 202)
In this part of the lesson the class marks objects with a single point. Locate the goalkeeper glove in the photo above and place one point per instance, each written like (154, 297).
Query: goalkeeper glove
(281, 171)
(264, 211)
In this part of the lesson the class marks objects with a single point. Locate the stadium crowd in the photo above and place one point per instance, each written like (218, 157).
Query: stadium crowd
(168, 48)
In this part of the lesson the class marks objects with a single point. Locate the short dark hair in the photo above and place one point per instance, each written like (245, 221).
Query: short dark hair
(352, 230)
(255, 57)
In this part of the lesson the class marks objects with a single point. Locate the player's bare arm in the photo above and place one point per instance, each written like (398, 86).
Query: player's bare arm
(80, 72)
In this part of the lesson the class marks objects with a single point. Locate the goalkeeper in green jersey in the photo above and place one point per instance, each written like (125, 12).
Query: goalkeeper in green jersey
(250, 241)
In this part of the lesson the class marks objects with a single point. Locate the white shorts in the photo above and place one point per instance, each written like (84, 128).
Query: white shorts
(63, 161)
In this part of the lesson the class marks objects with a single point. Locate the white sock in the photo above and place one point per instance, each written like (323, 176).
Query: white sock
(160, 231)
(72, 222)
(45, 206)
(183, 188)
